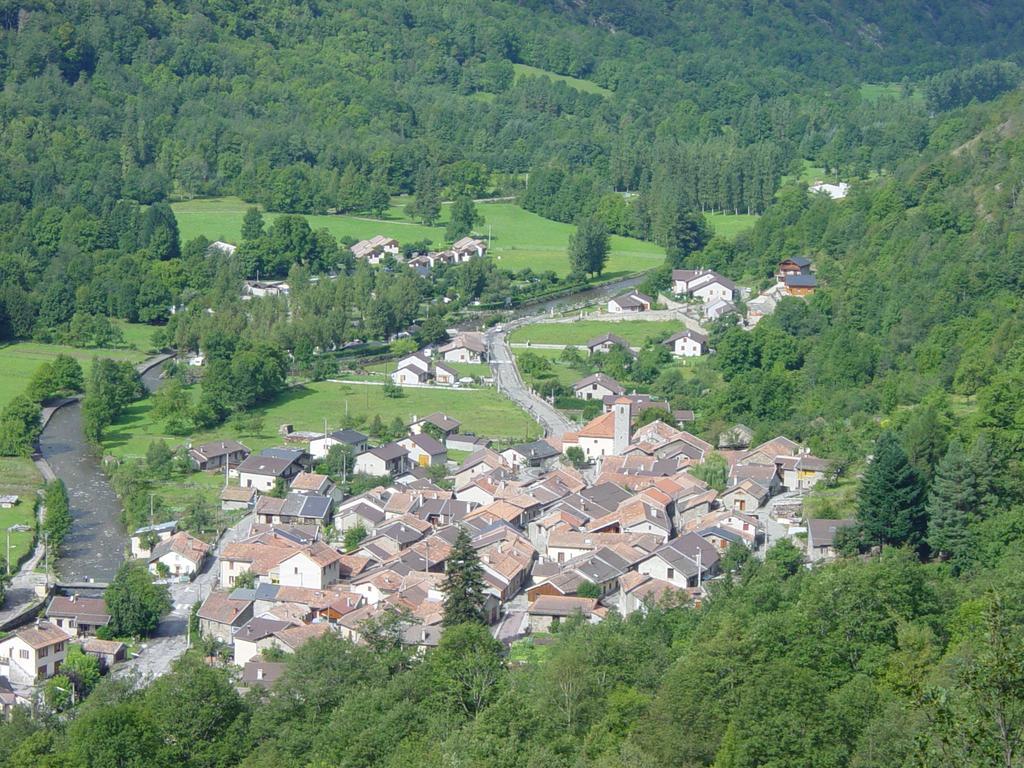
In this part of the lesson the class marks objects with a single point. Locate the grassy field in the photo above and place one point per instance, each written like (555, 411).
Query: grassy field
(20, 477)
(519, 239)
(482, 411)
(563, 373)
(20, 360)
(728, 225)
(580, 332)
(873, 91)
(525, 70)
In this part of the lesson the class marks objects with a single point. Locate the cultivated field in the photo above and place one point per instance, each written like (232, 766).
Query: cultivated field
(586, 86)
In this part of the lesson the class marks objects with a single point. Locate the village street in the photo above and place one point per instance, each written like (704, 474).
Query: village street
(508, 381)
(171, 638)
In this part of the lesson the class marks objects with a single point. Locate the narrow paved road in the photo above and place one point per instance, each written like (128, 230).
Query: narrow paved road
(171, 639)
(508, 380)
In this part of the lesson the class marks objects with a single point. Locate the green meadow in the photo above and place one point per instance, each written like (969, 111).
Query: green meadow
(20, 360)
(482, 411)
(636, 332)
(585, 86)
(19, 477)
(519, 239)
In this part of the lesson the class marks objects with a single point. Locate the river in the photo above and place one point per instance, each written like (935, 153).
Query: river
(95, 547)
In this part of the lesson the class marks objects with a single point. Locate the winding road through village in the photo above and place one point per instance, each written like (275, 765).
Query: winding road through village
(508, 381)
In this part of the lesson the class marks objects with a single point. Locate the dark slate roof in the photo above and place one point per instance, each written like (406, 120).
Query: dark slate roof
(348, 436)
(538, 449)
(802, 281)
(307, 505)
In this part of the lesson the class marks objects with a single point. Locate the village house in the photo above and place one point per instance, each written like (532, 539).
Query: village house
(223, 612)
(107, 652)
(799, 285)
(606, 342)
(758, 307)
(77, 615)
(419, 359)
(746, 496)
(684, 562)
(387, 459)
(533, 454)
(821, 537)
(213, 456)
(704, 284)
(262, 472)
(640, 591)
(597, 386)
(315, 566)
(311, 482)
(320, 447)
(467, 248)
(376, 248)
(631, 302)
(148, 535)
(409, 375)
(260, 673)
(803, 472)
(445, 375)
(718, 308)
(796, 265)
(687, 343)
(424, 450)
(549, 610)
(260, 289)
(33, 653)
(235, 498)
(445, 423)
(465, 348)
(311, 509)
(181, 555)
(256, 636)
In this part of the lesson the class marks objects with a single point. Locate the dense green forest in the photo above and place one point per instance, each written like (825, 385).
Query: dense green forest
(908, 652)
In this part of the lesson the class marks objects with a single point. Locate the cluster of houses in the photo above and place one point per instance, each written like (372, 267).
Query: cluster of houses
(794, 277)
(420, 367)
(377, 248)
(552, 543)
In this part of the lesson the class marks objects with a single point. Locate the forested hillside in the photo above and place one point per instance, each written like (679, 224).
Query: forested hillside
(908, 651)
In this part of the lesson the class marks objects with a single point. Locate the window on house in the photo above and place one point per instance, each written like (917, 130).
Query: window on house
(296, 570)
(24, 654)
(671, 573)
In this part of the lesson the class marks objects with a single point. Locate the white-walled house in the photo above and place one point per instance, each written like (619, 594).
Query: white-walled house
(597, 386)
(320, 447)
(387, 459)
(466, 348)
(182, 555)
(409, 375)
(688, 343)
(682, 562)
(33, 653)
(315, 566)
(629, 303)
(704, 284)
(262, 472)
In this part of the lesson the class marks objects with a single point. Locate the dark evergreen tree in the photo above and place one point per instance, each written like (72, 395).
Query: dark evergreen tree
(952, 505)
(463, 585)
(890, 503)
(252, 224)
